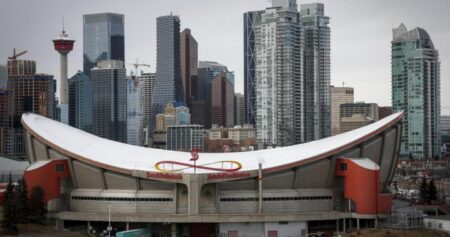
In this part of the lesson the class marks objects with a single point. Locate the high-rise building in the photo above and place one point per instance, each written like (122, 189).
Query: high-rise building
(31, 93)
(6, 125)
(416, 91)
(146, 83)
(80, 102)
(239, 109)
(103, 39)
(356, 115)
(251, 21)
(63, 45)
(189, 66)
(185, 137)
(21, 67)
(3, 77)
(222, 101)
(135, 113)
(109, 90)
(317, 71)
(168, 85)
(278, 76)
(207, 70)
(445, 131)
(339, 95)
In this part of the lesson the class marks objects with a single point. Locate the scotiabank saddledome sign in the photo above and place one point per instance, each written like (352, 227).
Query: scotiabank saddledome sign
(226, 169)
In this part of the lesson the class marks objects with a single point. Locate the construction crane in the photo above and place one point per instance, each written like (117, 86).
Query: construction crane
(136, 65)
(13, 59)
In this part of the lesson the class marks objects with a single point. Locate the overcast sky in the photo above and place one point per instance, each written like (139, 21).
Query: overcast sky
(361, 31)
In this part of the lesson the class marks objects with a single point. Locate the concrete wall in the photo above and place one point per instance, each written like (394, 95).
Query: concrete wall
(283, 229)
(437, 224)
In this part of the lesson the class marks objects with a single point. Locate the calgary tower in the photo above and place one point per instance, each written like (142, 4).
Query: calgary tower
(63, 45)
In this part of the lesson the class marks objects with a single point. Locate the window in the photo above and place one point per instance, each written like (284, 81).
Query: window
(233, 233)
(343, 166)
(272, 233)
(59, 168)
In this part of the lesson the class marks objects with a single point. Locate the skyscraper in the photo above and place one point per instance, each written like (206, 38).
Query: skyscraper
(317, 71)
(103, 39)
(445, 131)
(31, 93)
(189, 66)
(239, 109)
(146, 83)
(222, 101)
(80, 102)
(339, 95)
(168, 85)
(207, 70)
(109, 90)
(135, 112)
(251, 21)
(3, 77)
(278, 75)
(416, 91)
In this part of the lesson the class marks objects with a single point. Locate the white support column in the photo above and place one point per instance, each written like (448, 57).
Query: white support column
(174, 229)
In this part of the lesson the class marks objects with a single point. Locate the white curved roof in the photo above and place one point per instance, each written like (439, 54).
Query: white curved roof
(113, 154)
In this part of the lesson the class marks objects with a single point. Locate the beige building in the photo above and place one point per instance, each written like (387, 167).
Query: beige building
(239, 133)
(356, 115)
(339, 95)
(354, 122)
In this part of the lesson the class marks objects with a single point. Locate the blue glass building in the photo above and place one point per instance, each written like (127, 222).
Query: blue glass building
(80, 102)
(103, 39)
(416, 91)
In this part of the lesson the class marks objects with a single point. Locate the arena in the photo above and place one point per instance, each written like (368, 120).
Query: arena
(328, 185)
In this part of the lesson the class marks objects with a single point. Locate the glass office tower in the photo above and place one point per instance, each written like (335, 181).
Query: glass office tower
(109, 90)
(80, 102)
(317, 102)
(103, 39)
(416, 91)
(168, 85)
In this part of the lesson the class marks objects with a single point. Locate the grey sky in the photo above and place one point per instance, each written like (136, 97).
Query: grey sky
(361, 33)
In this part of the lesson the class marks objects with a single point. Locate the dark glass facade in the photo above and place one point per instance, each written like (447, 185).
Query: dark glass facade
(80, 102)
(168, 85)
(103, 39)
(109, 89)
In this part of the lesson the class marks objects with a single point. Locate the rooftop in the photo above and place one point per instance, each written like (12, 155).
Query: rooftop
(99, 151)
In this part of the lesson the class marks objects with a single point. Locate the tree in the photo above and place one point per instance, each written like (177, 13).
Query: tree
(423, 190)
(37, 206)
(432, 191)
(22, 201)
(9, 207)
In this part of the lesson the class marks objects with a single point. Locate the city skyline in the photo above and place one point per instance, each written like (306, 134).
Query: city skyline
(373, 35)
